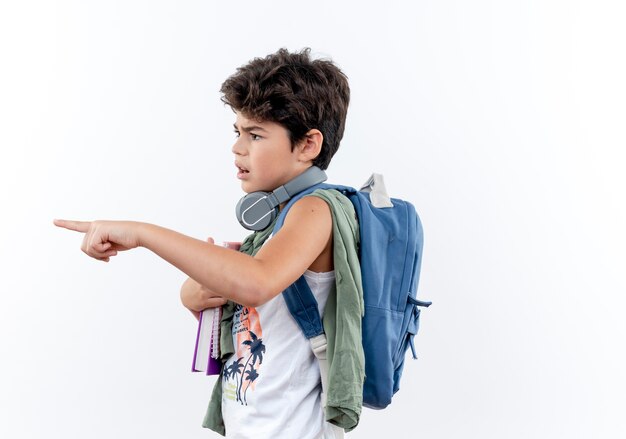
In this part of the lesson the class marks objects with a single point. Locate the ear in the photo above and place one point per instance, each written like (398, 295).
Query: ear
(311, 146)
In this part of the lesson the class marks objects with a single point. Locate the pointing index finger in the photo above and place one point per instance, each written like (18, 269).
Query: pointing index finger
(78, 226)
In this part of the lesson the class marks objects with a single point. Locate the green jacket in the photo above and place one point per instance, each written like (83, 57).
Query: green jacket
(342, 321)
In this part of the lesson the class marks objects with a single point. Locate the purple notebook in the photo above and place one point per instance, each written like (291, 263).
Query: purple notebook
(206, 353)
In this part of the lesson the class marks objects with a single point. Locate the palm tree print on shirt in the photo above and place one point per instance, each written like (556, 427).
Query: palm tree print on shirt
(257, 348)
(233, 371)
(251, 375)
(247, 327)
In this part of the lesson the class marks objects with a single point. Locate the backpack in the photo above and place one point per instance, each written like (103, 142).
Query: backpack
(391, 241)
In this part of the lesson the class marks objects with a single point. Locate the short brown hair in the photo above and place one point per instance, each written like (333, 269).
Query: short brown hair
(296, 92)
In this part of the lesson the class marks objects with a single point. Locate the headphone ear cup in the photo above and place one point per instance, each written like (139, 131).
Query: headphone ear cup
(255, 211)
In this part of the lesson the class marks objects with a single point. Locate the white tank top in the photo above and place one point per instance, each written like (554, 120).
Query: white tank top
(271, 385)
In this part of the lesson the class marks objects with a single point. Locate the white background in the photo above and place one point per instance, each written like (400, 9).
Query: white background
(502, 121)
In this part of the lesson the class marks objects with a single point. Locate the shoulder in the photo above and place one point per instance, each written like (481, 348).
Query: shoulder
(310, 210)
(311, 202)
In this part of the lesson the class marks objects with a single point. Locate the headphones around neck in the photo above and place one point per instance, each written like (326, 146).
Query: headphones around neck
(257, 210)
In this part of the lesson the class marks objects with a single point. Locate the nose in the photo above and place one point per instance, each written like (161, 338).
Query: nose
(238, 148)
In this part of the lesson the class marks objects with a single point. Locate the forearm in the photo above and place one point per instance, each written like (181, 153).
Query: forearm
(197, 298)
(233, 275)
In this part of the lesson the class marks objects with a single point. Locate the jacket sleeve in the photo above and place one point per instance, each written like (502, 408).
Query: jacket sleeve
(342, 317)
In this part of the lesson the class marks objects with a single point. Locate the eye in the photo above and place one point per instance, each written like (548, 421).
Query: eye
(236, 133)
(255, 136)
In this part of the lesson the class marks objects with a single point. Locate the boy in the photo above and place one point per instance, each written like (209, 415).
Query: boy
(290, 115)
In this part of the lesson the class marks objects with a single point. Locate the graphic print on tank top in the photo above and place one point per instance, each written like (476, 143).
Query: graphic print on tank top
(240, 375)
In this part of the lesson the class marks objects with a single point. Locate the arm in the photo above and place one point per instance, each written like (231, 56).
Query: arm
(197, 298)
(187, 291)
(247, 280)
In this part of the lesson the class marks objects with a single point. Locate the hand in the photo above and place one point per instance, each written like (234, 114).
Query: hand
(196, 297)
(231, 245)
(104, 239)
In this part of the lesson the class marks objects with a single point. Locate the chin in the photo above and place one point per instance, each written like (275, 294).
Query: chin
(247, 187)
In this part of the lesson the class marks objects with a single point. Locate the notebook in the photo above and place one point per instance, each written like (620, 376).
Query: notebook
(207, 353)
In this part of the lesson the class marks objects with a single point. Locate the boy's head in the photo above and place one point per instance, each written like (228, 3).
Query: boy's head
(296, 92)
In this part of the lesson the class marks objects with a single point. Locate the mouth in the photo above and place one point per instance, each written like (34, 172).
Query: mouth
(241, 171)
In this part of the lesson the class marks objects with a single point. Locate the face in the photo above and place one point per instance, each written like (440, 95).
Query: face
(263, 156)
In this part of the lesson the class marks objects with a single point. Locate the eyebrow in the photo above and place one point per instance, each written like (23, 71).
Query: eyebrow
(250, 128)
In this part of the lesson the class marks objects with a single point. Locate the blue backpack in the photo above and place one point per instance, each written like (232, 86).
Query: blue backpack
(391, 241)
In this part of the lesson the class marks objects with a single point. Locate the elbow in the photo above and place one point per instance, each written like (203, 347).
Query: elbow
(253, 302)
(256, 290)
